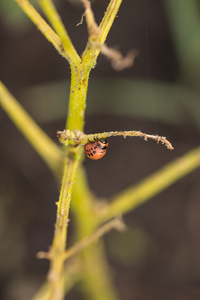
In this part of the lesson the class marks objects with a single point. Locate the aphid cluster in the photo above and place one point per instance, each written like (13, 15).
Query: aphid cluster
(97, 149)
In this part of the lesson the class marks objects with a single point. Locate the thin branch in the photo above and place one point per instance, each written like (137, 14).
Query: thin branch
(97, 37)
(92, 26)
(73, 274)
(79, 138)
(118, 61)
(41, 24)
(116, 223)
(99, 33)
(56, 271)
(136, 195)
(45, 147)
(108, 19)
(97, 277)
(55, 20)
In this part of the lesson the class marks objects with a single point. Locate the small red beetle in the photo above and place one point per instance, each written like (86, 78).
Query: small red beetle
(97, 149)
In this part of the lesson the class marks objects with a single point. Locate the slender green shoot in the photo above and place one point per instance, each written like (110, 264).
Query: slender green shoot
(55, 20)
(45, 147)
(42, 25)
(136, 195)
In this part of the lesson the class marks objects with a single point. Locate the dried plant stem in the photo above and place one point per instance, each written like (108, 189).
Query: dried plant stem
(79, 138)
(146, 136)
(97, 35)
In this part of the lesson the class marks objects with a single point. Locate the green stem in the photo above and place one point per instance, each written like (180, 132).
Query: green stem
(41, 24)
(56, 255)
(77, 103)
(108, 19)
(151, 186)
(96, 283)
(99, 285)
(76, 110)
(54, 18)
(91, 52)
(73, 275)
(45, 147)
(115, 223)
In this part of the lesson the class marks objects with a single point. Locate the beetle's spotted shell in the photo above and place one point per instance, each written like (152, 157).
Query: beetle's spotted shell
(97, 149)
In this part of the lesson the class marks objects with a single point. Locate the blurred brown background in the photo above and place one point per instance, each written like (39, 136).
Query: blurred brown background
(158, 257)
